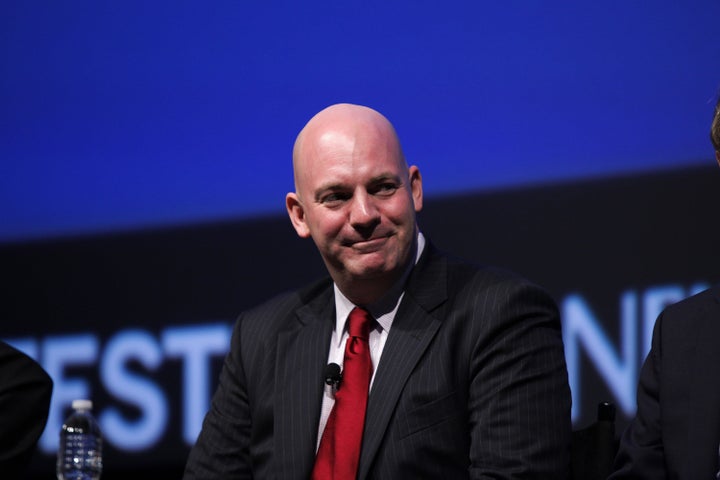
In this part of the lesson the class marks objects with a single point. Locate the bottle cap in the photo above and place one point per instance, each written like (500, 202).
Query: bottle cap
(82, 404)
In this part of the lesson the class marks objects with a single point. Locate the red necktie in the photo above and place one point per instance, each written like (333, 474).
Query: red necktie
(339, 452)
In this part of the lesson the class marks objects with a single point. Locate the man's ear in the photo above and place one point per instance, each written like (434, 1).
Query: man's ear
(416, 187)
(297, 214)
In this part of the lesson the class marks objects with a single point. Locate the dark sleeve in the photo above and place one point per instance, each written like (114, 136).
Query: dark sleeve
(641, 453)
(222, 448)
(25, 390)
(520, 398)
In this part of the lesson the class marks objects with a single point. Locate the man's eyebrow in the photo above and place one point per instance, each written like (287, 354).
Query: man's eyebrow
(383, 177)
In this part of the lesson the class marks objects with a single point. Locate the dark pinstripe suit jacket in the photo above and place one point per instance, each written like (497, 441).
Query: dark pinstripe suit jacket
(471, 384)
(676, 431)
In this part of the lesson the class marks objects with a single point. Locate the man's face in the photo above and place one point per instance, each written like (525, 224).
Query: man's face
(357, 199)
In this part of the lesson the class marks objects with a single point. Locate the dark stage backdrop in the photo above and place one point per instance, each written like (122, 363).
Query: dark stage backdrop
(140, 321)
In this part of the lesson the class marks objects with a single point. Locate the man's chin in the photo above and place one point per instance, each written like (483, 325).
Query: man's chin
(370, 271)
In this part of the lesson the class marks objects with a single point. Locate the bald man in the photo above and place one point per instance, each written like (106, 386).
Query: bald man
(467, 374)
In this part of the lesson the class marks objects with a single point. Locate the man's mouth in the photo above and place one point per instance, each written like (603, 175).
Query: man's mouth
(369, 245)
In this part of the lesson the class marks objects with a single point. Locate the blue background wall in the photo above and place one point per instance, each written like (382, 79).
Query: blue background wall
(133, 114)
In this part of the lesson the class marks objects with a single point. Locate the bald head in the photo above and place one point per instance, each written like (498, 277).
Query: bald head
(340, 122)
(357, 198)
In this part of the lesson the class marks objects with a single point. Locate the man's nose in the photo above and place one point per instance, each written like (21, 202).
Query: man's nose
(363, 212)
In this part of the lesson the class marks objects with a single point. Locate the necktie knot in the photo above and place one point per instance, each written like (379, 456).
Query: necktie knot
(359, 323)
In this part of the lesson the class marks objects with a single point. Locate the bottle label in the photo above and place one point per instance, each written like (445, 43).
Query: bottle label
(80, 453)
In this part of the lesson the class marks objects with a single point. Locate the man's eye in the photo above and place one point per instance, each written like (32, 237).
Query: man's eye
(386, 189)
(334, 198)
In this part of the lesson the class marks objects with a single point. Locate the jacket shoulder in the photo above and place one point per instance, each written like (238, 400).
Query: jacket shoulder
(275, 312)
(694, 306)
(461, 271)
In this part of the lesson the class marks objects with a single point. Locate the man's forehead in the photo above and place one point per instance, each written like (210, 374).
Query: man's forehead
(337, 145)
(333, 138)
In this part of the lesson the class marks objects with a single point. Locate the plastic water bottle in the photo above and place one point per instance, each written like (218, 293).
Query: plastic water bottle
(80, 453)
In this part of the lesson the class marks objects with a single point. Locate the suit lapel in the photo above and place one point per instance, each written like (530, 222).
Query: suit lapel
(301, 358)
(412, 330)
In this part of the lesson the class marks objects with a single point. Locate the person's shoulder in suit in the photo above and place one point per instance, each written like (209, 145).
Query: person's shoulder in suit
(25, 390)
(275, 313)
(693, 307)
(687, 321)
(277, 308)
(467, 277)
